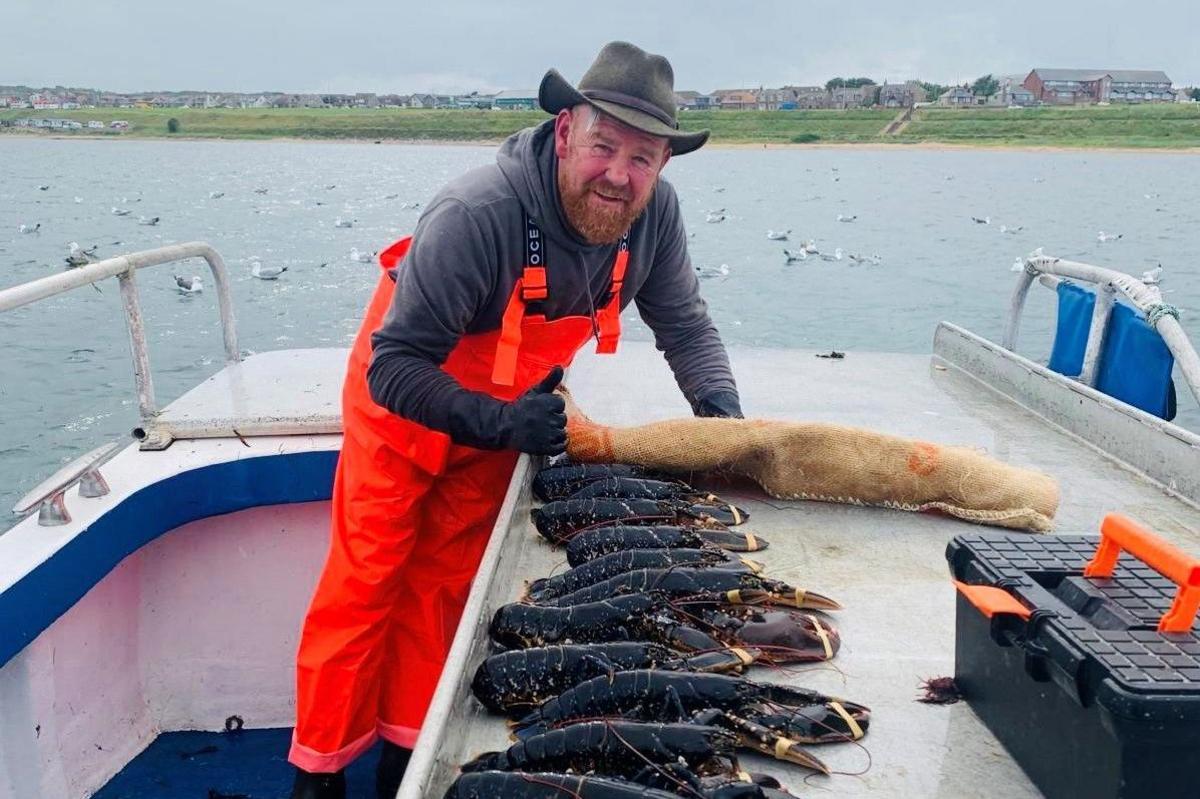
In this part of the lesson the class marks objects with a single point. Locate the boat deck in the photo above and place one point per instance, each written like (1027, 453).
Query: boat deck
(886, 567)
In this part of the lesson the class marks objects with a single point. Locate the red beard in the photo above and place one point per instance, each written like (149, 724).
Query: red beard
(599, 224)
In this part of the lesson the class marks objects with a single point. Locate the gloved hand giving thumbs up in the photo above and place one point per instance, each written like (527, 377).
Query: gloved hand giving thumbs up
(536, 421)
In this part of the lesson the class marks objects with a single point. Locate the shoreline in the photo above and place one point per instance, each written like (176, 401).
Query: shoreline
(717, 145)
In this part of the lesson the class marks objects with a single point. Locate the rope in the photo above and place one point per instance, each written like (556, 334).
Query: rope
(1157, 312)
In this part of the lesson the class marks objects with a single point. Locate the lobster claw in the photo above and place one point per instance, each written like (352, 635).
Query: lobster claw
(762, 739)
(721, 536)
(734, 659)
(788, 637)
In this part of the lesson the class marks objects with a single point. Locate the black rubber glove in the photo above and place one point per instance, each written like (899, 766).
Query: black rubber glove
(536, 422)
(720, 404)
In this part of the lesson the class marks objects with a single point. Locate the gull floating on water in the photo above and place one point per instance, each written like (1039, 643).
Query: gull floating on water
(714, 217)
(792, 257)
(411, 206)
(873, 259)
(1103, 237)
(987, 220)
(260, 191)
(43, 187)
(1012, 230)
(361, 257)
(148, 220)
(847, 218)
(718, 189)
(706, 272)
(267, 272)
(120, 211)
(809, 247)
(189, 285)
(216, 195)
(78, 199)
(1153, 276)
(330, 187)
(339, 222)
(837, 255)
(778, 235)
(29, 228)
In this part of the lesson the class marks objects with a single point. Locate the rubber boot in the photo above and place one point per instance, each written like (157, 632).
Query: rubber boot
(310, 785)
(392, 763)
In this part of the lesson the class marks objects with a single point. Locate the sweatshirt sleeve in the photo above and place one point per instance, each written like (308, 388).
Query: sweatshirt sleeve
(442, 283)
(670, 304)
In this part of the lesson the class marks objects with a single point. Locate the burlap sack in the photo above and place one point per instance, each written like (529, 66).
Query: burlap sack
(830, 463)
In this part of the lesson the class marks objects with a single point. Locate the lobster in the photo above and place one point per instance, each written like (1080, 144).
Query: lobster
(616, 563)
(559, 520)
(588, 545)
(675, 492)
(677, 781)
(686, 626)
(520, 680)
(560, 480)
(799, 714)
(726, 585)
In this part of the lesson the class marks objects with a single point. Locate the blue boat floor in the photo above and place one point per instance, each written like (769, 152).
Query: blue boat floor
(248, 764)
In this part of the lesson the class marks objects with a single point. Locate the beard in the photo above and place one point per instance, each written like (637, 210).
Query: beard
(600, 224)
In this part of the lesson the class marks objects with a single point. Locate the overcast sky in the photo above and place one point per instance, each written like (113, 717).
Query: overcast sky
(444, 46)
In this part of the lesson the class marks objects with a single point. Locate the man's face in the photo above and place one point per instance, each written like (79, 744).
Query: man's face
(606, 172)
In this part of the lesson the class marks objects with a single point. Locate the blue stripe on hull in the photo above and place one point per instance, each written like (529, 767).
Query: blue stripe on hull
(39, 598)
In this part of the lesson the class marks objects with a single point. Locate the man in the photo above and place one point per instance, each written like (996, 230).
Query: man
(513, 268)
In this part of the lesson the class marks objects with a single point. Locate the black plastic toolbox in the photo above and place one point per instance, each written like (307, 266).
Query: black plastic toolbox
(1071, 672)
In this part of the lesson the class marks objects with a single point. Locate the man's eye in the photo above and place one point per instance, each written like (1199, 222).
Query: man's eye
(601, 149)
(642, 161)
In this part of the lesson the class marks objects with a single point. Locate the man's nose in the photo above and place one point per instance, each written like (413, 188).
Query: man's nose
(618, 172)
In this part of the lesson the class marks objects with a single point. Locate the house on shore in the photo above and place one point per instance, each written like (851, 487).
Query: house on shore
(901, 95)
(1073, 86)
(957, 97)
(688, 100)
(854, 96)
(810, 97)
(516, 100)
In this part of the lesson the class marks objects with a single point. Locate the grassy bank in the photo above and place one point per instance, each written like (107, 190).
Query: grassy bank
(1116, 126)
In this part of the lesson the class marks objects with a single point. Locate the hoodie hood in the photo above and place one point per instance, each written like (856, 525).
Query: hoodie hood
(529, 164)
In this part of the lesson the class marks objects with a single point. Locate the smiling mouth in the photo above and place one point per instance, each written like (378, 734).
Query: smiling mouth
(608, 199)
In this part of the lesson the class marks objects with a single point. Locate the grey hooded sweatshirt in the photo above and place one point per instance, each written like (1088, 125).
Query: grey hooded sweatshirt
(469, 250)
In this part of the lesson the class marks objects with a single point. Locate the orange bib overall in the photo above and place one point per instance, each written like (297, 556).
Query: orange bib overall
(412, 513)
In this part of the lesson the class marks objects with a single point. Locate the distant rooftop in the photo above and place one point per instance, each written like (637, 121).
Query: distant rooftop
(1118, 75)
(517, 94)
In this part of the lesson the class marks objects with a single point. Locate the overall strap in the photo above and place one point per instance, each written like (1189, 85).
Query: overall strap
(530, 287)
(609, 317)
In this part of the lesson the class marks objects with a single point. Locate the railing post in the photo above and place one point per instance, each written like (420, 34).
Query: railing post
(147, 406)
(1016, 306)
(1096, 333)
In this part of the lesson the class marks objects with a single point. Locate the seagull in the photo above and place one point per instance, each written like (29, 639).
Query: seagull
(360, 256)
(330, 187)
(873, 260)
(845, 218)
(189, 285)
(148, 220)
(390, 196)
(30, 228)
(987, 220)
(837, 255)
(1103, 237)
(79, 256)
(809, 247)
(714, 217)
(413, 206)
(718, 189)
(1151, 196)
(78, 199)
(1015, 229)
(793, 257)
(260, 191)
(1018, 265)
(1153, 276)
(1039, 180)
(267, 272)
(778, 235)
(216, 195)
(43, 187)
(339, 222)
(119, 211)
(706, 272)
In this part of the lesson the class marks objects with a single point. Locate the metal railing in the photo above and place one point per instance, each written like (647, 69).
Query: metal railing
(48, 495)
(1147, 298)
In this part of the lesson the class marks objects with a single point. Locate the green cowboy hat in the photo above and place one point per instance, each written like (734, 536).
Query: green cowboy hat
(625, 82)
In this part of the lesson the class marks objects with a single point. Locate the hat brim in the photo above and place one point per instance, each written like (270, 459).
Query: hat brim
(556, 93)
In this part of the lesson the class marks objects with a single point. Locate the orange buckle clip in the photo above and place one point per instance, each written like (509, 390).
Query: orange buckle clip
(990, 600)
(534, 284)
(1120, 533)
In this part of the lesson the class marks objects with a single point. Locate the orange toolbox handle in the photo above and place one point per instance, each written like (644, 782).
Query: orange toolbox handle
(1118, 534)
